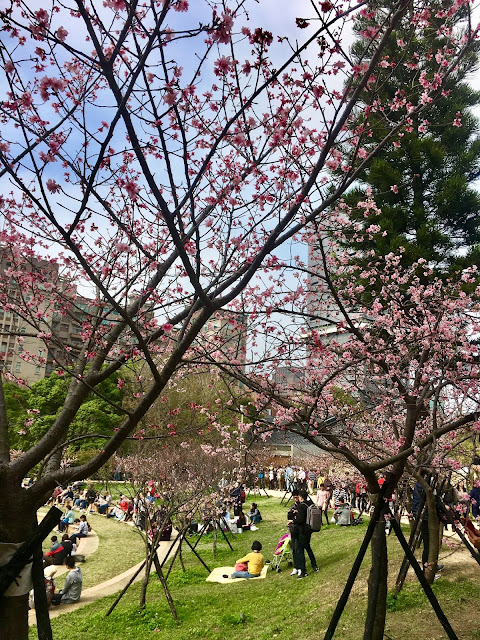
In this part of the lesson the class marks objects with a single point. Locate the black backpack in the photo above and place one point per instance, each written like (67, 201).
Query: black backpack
(314, 518)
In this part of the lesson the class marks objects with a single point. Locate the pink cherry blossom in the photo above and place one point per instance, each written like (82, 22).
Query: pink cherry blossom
(52, 186)
(223, 65)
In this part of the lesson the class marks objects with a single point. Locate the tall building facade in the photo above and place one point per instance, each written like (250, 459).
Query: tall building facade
(23, 353)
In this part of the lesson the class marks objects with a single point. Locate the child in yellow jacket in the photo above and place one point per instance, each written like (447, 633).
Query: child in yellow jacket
(255, 563)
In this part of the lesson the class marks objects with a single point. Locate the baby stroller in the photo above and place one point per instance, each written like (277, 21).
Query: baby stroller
(282, 552)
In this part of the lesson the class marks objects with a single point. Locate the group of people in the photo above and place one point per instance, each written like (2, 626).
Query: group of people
(241, 521)
(72, 588)
(62, 552)
(286, 478)
(463, 500)
(292, 478)
(304, 485)
(251, 565)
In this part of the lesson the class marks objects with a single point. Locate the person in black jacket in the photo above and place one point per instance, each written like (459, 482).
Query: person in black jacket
(60, 554)
(300, 535)
(308, 533)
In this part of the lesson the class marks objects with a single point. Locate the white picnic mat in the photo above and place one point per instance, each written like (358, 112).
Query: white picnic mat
(218, 573)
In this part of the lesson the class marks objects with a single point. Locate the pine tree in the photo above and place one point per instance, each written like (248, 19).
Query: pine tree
(424, 185)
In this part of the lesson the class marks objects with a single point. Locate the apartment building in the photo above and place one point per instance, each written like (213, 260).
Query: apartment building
(22, 353)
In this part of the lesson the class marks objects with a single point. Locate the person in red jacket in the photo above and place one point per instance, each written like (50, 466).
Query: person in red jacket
(59, 555)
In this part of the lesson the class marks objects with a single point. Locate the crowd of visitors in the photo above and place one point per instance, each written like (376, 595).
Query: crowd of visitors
(308, 488)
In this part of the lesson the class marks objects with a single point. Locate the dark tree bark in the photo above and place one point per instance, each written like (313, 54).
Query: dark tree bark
(377, 585)
(17, 523)
(433, 536)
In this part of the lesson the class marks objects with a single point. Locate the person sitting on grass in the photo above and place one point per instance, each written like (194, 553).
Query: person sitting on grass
(60, 553)
(254, 561)
(343, 513)
(72, 588)
(55, 543)
(242, 522)
(254, 514)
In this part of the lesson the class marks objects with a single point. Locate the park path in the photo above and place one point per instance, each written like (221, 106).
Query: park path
(107, 588)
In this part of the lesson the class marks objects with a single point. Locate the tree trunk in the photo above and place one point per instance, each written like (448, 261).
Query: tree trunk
(377, 585)
(146, 577)
(17, 522)
(434, 538)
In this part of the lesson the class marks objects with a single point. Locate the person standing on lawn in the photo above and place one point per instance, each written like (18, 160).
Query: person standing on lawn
(300, 535)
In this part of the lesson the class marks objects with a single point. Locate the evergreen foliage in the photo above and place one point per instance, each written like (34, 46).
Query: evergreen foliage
(421, 181)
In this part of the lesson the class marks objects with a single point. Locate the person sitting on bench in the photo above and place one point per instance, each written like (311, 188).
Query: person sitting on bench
(68, 519)
(82, 530)
(72, 588)
(59, 555)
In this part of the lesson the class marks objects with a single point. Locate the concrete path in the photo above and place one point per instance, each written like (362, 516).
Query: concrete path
(86, 547)
(106, 588)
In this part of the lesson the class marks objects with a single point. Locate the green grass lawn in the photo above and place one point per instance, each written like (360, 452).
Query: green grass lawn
(280, 606)
(120, 547)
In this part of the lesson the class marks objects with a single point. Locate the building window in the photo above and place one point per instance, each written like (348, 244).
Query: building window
(18, 367)
(37, 371)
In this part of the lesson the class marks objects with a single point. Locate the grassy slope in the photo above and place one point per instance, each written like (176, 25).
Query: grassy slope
(119, 548)
(280, 606)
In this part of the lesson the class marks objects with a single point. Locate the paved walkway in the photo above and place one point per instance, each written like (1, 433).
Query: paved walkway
(103, 589)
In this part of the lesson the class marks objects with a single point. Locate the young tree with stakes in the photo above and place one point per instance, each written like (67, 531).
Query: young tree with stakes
(154, 157)
(387, 384)
(185, 481)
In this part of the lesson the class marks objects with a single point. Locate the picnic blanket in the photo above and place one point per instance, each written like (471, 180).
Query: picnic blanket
(217, 575)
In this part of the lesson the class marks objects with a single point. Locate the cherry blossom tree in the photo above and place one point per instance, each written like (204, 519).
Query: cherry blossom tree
(390, 385)
(174, 485)
(157, 160)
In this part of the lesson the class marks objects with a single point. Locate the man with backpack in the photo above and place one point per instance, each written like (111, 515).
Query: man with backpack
(301, 534)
